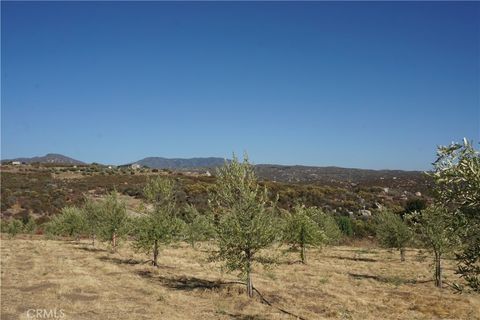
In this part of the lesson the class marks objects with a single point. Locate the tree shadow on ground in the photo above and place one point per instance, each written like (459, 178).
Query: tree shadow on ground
(122, 261)
(240, 316)
(91, 249)
(182, 282)
(394, 280)
(352, 258)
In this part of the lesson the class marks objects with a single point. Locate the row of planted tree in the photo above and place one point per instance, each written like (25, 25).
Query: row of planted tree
(244, 223)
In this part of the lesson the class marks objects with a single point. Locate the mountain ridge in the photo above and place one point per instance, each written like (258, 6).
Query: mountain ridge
(48, 158)
(273, 172)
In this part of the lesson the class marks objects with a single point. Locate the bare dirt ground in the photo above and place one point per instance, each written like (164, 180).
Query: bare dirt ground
(342, 282)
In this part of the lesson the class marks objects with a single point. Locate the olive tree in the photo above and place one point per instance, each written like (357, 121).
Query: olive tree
(327, 224)
(435, 228)
(160, 224)
(392, 232)
(70, 222)
(92, 212)
(300, 230)
(244, 218)
(113, 218)
(457, 184)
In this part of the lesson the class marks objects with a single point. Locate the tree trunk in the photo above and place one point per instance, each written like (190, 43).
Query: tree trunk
(93, 240)
(303, 256)
(249, 276)
(114, 240)
(438, 270)
(155, 253)
(249, 284)
(402, 254)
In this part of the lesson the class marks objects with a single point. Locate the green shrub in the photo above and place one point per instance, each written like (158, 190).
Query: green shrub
(363, 228)
(14, 227)
(345, 225)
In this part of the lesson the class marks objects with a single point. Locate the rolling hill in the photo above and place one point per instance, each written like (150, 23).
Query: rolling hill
(48, 158)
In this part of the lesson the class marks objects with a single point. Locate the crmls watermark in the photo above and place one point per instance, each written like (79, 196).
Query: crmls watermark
(45, 314)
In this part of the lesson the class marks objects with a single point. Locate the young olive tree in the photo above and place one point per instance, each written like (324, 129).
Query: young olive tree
(70, 222)
(244, 218)
(435, 227)
(457, 184)
(92, 212)
(198, 227)
(327, 224)
(113, 218)
(393, 232)
(160, 225)
(300, 230)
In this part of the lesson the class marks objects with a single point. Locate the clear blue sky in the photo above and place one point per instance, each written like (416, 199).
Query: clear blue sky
(369, 85)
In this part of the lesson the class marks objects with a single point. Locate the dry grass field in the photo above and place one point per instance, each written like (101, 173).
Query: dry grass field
(342, 282)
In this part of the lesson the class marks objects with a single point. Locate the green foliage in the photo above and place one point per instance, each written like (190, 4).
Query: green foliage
(469, 268)
(327, 224)
(197, 227)
(363, 228)
(392, 231)
(415, 204)
(244, 219)
(457, 184)
(300, 229)
(113, 218)
(345, 225)
(30, 226)
(13, 227)
(92, 212)
(70, 222)
(160, 225)
(457, 176)
(435, 227)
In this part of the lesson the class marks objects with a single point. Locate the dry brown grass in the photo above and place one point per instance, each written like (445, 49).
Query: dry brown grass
(342, 282)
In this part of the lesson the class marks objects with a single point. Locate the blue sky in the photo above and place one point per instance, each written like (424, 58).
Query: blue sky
(368, 85)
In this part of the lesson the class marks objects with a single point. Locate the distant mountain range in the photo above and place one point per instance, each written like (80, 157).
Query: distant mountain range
(180, 163)
(284, 173)
(48, 158)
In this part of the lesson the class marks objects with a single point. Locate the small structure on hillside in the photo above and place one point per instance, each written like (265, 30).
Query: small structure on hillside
(135, 166)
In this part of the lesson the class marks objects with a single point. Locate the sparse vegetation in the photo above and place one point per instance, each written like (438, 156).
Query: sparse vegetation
(246, 219)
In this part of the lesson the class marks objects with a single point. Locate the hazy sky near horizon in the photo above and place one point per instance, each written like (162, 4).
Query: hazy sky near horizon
(368, 85)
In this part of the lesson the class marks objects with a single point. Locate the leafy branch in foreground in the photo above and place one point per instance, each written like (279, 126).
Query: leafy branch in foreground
(457, 184)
